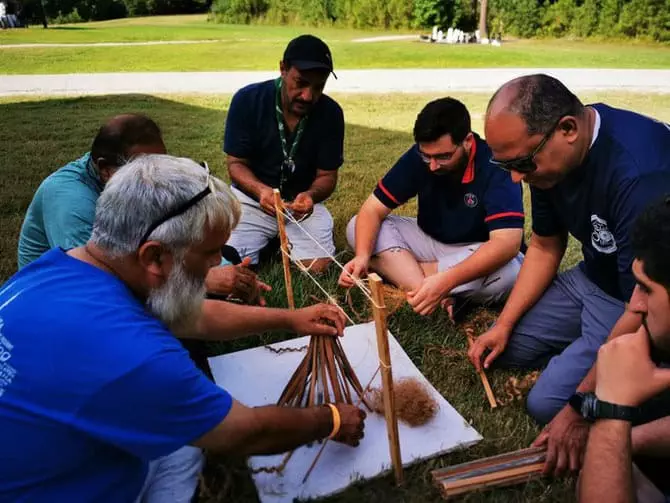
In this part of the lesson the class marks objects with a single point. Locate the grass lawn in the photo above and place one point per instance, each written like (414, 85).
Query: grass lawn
(259, 47)
(42, 135)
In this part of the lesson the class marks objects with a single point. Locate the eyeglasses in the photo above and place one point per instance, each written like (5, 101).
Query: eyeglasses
(182, 208)
(440, 159)
(526, 164)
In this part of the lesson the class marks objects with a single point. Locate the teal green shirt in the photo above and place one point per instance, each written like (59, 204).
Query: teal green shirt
(62, 211)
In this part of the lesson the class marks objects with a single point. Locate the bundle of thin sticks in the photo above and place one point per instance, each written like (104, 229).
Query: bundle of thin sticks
(488, 473)
(323, 376)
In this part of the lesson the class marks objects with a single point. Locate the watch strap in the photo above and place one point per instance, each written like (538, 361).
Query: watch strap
(607, 410)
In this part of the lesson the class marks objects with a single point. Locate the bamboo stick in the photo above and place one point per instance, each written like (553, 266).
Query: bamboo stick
(379, 312)
(485, 380)
(325, 442)
(281, 226)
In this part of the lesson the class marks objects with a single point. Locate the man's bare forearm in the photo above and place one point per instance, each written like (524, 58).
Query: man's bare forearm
(323, 186)
(367, 230)
(607, 473)
(222, 320)
(537, 272)
(267, 430)
(487, 259)
(628, 323)
(652, 439)
(243, 177)
(278, 432)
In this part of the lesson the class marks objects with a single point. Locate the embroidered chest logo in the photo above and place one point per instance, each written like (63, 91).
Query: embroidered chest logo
(470, 200)
(601, 237)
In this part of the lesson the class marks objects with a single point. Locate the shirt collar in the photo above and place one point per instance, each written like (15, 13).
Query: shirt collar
(596, 128)
(469, 175)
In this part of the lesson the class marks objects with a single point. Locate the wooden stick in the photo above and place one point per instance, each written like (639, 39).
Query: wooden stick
(318, 454)
(281, 226)
(379, 311)
(485, 380)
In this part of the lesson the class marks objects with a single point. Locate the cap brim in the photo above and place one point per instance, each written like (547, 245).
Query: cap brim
(312, 65)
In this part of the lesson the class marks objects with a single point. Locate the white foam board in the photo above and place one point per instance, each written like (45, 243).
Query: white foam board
(257, 377)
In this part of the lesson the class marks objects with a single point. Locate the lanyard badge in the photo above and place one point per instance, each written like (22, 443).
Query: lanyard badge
(287, 168)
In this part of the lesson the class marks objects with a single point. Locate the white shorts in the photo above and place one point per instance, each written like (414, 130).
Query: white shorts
(257, 228)
(173, 478)
(404, 232)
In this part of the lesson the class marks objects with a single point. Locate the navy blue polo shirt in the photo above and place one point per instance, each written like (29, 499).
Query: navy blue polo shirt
(453, 210)
(251, 133)
(626, 169)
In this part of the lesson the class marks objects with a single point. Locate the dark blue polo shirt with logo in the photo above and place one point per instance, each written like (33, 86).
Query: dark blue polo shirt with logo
(626, 169)
(455, 210)
(251, 133)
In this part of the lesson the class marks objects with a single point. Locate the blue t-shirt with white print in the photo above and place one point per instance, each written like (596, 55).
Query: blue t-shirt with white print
(626, 169)
(92, 387)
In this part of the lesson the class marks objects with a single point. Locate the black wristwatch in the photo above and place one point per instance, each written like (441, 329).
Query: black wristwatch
(590, 408)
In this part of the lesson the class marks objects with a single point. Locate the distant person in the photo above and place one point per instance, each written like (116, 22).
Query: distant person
(286, 134)
(4, 21)
(98, 401)
(465, 241)
(592, 170)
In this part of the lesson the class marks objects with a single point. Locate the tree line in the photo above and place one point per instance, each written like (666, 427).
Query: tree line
(525, 18)
(75, 11)
(648, 19)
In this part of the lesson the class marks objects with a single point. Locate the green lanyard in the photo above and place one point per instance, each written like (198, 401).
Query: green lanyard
(288, 166)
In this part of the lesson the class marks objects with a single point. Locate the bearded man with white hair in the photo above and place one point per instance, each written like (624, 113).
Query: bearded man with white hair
(99, 402)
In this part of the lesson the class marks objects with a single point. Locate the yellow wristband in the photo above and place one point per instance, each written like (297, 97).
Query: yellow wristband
(337, 422)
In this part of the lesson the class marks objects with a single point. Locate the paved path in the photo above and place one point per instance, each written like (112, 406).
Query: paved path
(385, 38)
(349, 81)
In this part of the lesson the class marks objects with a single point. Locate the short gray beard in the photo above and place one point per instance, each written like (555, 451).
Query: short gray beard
(178, 303)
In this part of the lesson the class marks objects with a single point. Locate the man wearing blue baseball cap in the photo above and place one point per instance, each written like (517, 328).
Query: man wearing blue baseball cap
(286, 134)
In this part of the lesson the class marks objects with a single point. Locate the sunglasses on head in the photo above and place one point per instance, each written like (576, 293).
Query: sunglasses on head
(182, 208)
(526, 164)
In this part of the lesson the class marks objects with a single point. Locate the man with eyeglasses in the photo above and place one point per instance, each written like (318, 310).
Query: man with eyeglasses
(592, 170)
(466, 239)
(286, 134)
(98, 401)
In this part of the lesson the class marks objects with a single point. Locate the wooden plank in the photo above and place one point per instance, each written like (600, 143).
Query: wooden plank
(379, 312)
(281, 226)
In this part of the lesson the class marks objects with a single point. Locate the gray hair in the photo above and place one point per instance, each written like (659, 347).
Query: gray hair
(146, 190)
(540, 100)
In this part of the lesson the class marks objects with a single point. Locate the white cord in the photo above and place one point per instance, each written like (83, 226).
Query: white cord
(357, 281)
